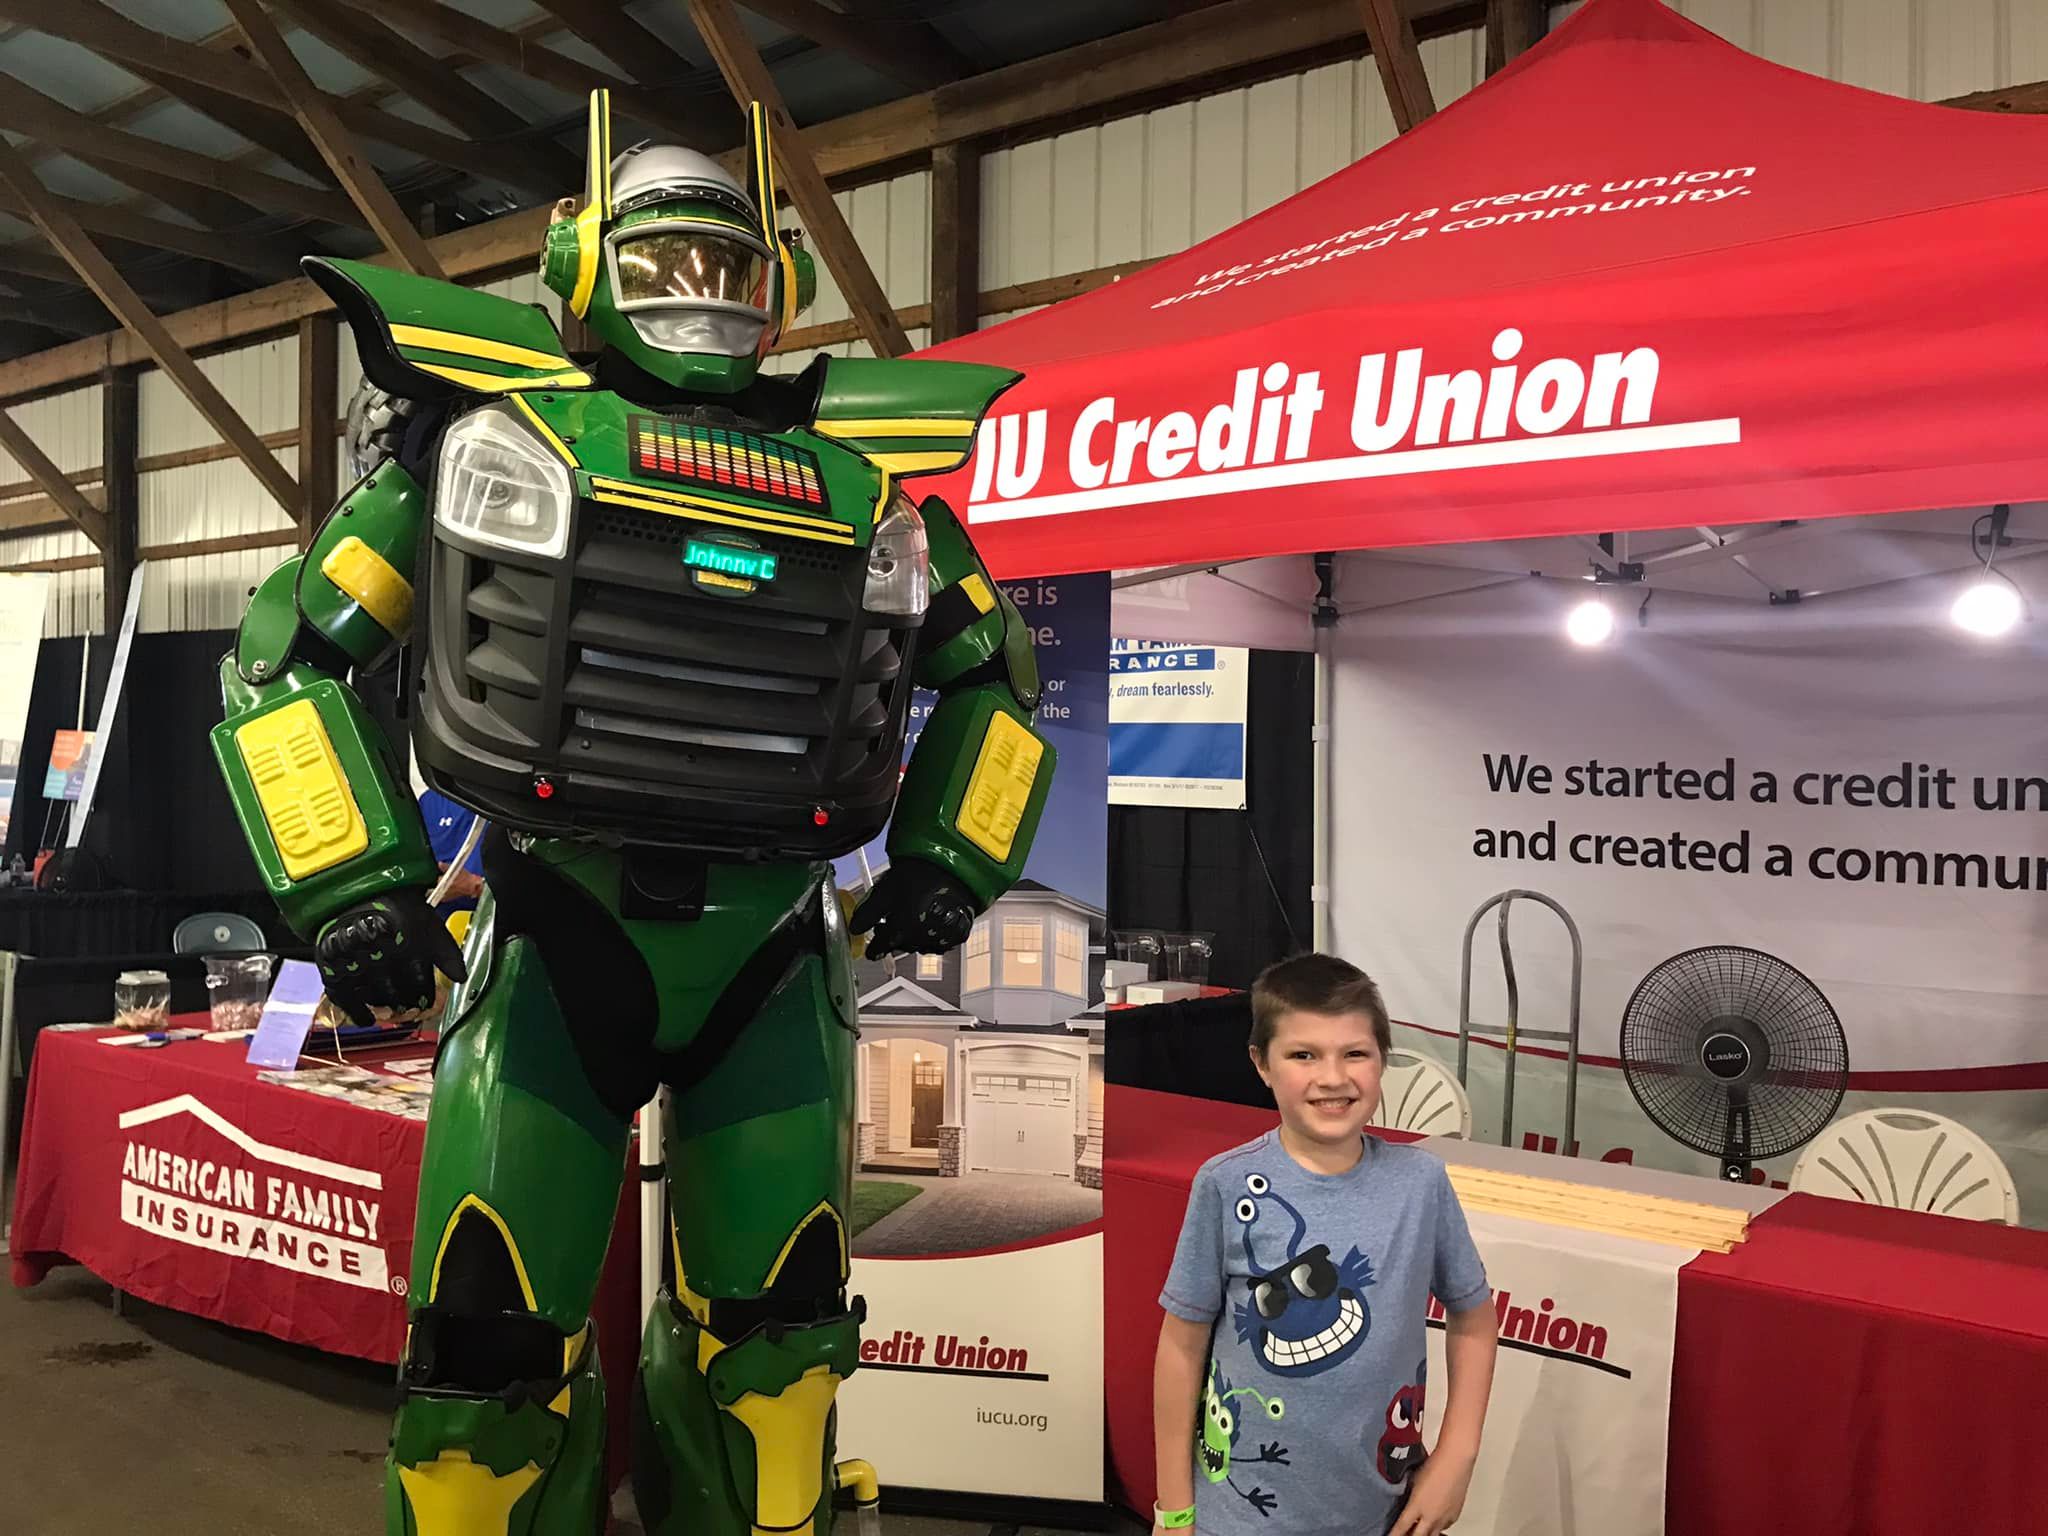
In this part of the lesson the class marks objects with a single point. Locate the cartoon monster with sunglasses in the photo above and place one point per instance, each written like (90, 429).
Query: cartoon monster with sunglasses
(1307, 1314)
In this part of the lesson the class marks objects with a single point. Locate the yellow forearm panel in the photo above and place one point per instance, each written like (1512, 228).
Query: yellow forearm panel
(372, 581)
(999, 792)
(305, 798)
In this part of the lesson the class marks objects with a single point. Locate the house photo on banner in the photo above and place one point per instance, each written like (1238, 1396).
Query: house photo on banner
(978, 1174)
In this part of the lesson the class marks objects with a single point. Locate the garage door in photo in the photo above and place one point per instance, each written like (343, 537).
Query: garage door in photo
(1023, 1112)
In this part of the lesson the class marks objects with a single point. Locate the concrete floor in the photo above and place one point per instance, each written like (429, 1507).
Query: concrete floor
(154, 1421)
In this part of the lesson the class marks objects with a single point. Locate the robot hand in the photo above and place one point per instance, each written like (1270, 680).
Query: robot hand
(383, 953)
(915, 908)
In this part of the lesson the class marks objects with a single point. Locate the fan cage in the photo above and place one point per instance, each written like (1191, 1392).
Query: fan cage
(1798, 1093)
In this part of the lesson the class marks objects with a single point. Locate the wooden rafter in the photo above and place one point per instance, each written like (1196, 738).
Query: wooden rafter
(28, 111)
(113, 36)
(64, 232)
(209, 210)
(1394, 50)
(956, 240)
(658, 109)
(336, 144)
(56, 485)
(268, 130)
(263, 255)
(641, 53)
(1513, 27)
(318, 444)
(120, 491)
(748, 80)
(908, 52)
(436, 84)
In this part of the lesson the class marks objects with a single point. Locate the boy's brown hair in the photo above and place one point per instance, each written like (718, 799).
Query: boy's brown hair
(1315, 984)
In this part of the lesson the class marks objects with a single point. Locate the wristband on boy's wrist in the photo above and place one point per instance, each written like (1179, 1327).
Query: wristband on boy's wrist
(1174, 1519)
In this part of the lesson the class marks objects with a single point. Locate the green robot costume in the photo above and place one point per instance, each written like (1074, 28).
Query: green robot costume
(661, 617)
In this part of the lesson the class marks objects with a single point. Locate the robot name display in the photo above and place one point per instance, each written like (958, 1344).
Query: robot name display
(660, 616)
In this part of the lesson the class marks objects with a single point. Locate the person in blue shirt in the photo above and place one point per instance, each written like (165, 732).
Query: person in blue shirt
(447, 825)
(1288, 1387)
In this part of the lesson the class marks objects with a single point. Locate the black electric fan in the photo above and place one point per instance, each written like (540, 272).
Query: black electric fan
(1734, 1053)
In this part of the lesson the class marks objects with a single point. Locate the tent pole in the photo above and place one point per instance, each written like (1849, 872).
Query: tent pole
(1319, 888)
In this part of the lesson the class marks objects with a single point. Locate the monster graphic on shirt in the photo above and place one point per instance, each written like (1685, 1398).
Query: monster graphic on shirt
(1401, 1451)
(1304, 1314)
(1220, 1429)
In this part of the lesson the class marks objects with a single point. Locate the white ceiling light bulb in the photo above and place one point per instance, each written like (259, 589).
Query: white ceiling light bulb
(1987, 608)
(1590, 623)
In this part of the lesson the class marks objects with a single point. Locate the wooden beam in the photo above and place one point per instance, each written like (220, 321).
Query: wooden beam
(63, 231)
(70, 500)
(1392, 36)
(262, 255)
(2032, 97)
(657, 109)
(267, 129)
(318, 445)
(1513, 27)
(336, 144)
(268, 538)
(749, 81)
(908, 52)
(992, 302)
(106, 32)
(120, 439)
(436, 84)
(1167, 60)
(956, 240)
(29, 111)
(628, 43)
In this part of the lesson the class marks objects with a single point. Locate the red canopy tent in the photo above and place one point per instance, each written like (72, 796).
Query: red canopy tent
(1639, 279)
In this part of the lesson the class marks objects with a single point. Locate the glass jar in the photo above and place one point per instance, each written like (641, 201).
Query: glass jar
(142, 1000)
(237, 986)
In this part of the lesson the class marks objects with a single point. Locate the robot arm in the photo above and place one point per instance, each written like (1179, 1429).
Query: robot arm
(977, 779)
(318, 791)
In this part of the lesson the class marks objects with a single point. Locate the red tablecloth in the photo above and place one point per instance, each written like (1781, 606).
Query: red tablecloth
(1845, 1370)
(180, 1177)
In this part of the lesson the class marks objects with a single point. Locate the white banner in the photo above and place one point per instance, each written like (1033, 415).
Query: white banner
(22, 600)
(1853, 787)
(1575, 1430)
(1177, 724)
(982, 1373)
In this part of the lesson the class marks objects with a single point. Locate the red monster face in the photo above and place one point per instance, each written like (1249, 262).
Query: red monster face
(1401, 1450)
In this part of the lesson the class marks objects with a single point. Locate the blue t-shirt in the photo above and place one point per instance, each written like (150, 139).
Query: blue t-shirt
(1319, 1285)
(447, 825)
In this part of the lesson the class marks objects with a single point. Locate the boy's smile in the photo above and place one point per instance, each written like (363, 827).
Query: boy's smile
(1324, 1070)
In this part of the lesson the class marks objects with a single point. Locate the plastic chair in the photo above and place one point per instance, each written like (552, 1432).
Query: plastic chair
(216, 933)
(1419, 1093)
(1911, 1161)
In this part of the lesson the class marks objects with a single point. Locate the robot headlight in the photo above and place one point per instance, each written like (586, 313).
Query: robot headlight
(898, 564)
(501, 486)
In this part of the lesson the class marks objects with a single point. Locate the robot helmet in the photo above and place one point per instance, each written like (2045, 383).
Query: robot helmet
(684, 257)
(674, 262)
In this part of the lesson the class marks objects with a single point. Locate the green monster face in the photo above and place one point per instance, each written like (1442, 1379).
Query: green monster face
(1219, 1427)
(674, 263)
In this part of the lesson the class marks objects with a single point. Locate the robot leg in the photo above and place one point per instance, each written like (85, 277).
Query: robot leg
(501, 1424)
(734, 1419)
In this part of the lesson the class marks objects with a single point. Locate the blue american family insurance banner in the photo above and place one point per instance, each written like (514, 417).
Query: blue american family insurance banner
(1177, 724)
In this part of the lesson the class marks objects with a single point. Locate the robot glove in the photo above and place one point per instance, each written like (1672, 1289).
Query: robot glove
(383, 953)
(915, 908)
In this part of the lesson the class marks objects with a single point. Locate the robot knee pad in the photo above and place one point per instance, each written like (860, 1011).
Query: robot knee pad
(494, 1400)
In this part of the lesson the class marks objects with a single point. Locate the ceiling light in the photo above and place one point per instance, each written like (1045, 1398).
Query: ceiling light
(1590, 623)
(1987, 608)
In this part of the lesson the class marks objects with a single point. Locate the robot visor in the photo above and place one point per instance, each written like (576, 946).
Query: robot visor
(689, 263)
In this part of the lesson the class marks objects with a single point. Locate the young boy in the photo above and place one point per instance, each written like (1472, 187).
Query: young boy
(1310, 1255)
